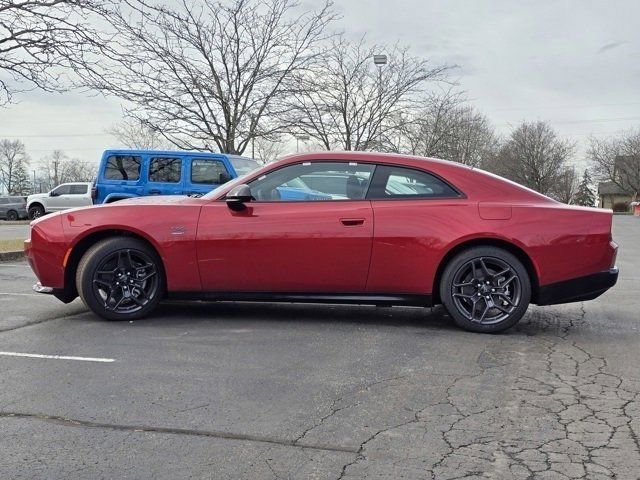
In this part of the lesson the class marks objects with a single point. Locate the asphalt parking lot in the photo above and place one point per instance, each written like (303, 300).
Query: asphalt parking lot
(292, 391)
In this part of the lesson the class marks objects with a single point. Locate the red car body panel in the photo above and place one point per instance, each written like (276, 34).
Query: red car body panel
(353, 246)
(285, 246)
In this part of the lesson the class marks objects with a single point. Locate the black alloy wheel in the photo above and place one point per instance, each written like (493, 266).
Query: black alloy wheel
(485, 289)
(120, 279)
(36, 212)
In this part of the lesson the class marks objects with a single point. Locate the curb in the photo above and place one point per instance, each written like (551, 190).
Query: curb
(11, 256)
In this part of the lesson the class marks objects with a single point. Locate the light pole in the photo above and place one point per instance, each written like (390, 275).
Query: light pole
(380, 61)
(304, 138)
(34, 181)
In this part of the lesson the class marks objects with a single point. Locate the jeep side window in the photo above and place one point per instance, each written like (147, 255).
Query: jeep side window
(166, 170)
(207, 171)
(123, 167)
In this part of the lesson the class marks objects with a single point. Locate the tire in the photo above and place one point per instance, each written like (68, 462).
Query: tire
(12, 216)
(36, 211)
(121, 278)
(485, 289)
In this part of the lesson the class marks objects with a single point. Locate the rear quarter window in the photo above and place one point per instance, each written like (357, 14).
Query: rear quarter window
(392, 182)
(78, 189)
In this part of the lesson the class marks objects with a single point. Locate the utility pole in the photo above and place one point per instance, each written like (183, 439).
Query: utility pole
(34, 181)
(380, 61)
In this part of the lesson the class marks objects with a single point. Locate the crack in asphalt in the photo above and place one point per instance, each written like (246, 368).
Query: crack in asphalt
(71, 422)
(42, 320)
(566, 416)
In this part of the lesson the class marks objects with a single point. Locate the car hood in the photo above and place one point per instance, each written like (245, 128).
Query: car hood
(37, 195)
(155, 200)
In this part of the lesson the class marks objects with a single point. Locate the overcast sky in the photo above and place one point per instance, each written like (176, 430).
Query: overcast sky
(575, 64)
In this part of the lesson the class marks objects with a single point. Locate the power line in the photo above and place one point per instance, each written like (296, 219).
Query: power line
(55, 135)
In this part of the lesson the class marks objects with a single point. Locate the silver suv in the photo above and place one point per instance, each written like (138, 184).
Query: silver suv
(13, 208)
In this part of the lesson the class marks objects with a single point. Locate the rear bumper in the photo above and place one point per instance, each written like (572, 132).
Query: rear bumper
(578, 289)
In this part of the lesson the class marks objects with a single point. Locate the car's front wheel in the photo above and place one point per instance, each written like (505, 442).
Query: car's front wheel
(120, 279)
(12, 215)
(36, 212)
(485, 289)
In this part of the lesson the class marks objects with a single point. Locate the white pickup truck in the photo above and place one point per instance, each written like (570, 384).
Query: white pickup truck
(67, 195)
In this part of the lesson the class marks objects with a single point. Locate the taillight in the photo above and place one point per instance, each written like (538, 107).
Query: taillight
(94, 193)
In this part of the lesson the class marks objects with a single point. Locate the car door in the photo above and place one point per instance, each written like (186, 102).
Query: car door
(164, 176)
(58, 198)
(315, 244)
(4, 202)
(79, 196)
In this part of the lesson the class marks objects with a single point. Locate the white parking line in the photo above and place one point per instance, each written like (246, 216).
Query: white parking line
(24, 294)
(58, 357)
(18, 265)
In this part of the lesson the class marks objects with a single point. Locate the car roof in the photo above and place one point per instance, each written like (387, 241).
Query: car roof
(473, 182)
(171, 152)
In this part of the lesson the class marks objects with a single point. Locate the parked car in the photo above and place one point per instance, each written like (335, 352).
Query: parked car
(63, 197)
(388, 230)
(13, 208)
(136, 173)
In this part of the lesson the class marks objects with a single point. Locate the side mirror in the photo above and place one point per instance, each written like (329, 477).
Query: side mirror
(53, 193)
(223, 178)
(238, 196)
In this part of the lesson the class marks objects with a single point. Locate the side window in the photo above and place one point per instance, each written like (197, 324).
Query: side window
(123, 167)
(207, 171)
(400, 182)
(314, 181)
(166, 170)
(78, 189)
(4, 201)
(62, 190)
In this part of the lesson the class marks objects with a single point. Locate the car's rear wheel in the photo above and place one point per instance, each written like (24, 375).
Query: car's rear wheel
(36, 212)
(12, 215)
(121, 279)
(485, 289)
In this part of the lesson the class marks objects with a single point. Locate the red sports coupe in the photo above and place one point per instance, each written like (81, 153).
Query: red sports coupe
(334, 227)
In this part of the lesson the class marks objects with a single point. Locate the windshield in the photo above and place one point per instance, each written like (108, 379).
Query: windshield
(243, 166)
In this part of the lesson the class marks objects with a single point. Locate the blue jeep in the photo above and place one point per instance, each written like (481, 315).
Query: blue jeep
(137, 173)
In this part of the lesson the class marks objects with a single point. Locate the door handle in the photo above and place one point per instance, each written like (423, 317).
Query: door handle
(154, 191)
(352, 222)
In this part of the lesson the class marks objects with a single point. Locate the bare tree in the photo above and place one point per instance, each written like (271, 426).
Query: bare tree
(566, 186)
(448, 127)
(268, 150)
(207, 75)
(13, 165)
(345, 103)
(533, 156)
(132, 133)
(38, 38)
(58, 168)
(617, 159)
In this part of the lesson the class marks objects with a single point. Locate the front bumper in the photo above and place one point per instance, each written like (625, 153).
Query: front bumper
(577, 289)
(60, 293)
